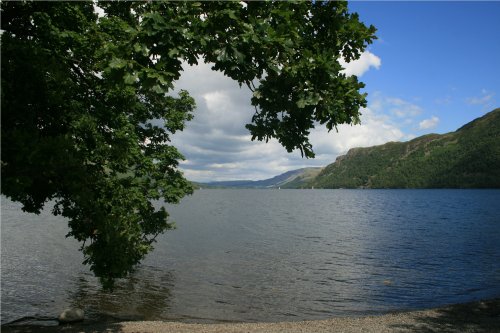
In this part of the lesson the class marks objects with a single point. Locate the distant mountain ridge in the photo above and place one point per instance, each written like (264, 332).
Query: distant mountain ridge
(290, 179)
(466, 158)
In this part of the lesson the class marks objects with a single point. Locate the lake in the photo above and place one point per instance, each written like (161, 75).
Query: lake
(270, 255)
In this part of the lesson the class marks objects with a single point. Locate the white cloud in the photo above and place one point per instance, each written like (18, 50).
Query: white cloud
(373, 130)
(402, 108)
(218, 146)
(428, 123)
(99, 11)
(362, 65)
(485, 98)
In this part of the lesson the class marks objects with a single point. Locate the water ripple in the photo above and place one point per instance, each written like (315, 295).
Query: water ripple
(256, 255)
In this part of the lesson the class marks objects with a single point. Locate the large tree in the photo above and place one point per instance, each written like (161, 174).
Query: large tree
(82, 96)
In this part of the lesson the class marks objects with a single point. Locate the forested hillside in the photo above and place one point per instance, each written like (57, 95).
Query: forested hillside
(466, 158)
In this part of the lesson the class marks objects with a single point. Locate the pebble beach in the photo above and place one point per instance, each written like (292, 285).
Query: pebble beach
(480, 316)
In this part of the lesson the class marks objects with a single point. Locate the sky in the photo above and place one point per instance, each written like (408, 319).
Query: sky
(434, 67)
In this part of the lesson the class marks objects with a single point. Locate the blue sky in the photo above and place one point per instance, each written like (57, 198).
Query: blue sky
(434, 68)
(441, 56)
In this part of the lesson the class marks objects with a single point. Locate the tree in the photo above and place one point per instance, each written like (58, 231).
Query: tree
(82, 96)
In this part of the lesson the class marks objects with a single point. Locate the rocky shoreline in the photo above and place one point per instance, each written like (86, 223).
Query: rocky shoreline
(477, 317)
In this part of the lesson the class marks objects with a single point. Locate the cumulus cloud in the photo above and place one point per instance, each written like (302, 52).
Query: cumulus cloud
(362, 65)
(374, 130)
(428, 123)
(217, 146)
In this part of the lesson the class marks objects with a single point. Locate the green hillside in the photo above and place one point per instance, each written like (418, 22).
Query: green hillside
(466, 158)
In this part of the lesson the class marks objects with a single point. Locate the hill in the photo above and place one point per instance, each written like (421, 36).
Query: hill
(466, 158)
(291, 179)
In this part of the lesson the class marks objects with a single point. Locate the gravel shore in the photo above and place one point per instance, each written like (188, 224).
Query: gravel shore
(481, 316)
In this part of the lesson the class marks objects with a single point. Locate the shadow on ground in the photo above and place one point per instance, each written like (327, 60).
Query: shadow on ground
(477, 317)
(75, 328)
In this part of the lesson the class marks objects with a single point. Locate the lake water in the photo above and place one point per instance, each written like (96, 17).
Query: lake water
(271, 255)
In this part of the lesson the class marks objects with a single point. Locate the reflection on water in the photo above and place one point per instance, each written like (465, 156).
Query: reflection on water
(252, 255)
(145, 295)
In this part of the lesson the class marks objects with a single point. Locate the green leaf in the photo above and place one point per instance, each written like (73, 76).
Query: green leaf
(173, 53)
(158, 89)
(130, 78)
(117, 63)
(82, 135)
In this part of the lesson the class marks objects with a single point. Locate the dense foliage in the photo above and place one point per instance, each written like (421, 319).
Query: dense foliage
(88, 107)
(467, 158)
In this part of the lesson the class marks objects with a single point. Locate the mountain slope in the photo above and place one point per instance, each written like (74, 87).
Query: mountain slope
(291, 179)
(466, 158)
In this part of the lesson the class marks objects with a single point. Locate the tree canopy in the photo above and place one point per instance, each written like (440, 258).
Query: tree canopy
(82, 96)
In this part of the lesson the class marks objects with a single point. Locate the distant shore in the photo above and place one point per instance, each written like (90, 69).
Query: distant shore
(480, 317)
